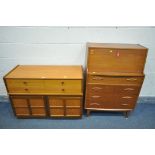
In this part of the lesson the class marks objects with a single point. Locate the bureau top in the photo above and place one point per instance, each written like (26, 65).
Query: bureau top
(116, 46)
(46, 72)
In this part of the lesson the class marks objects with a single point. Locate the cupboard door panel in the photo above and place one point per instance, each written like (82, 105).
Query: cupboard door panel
(22, 112)
(19, 102)
(57, 112)
(73, 112)
(37, 101)
(38, 111)
(73, 102)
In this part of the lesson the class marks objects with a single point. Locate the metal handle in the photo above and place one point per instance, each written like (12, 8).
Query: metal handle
(127, 97)
(131, 79)
(97, 78)
(129, 89)
(97, 88)
(124, 104)
(94, 104)
(96, 96)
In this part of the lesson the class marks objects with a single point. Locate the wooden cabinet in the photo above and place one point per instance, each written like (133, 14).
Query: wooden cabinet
(46, 91)
(114, 76)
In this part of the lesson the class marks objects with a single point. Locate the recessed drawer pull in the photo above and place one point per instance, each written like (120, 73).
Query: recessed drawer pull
(97, 88)
(96, 96)
(129, 89)
(94, 104)
(124, 104)
(25, 83)
(131, 79)
(127, 97)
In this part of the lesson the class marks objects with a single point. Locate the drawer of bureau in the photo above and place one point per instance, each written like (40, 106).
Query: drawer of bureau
(99, 89)
(127, 90)
(99, 104)
(114, 80)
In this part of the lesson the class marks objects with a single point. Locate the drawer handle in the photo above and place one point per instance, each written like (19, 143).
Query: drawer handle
(97, 88)
(131, 79)
(25, 83)
(96, 96)
(127, 97)
(94, 104)
(26, 89)
(124, 104)
(97, 78)
(63, 89)
(129, 89)
(62, 83)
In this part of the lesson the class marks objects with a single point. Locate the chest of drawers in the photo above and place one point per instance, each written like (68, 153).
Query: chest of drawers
(114, 76)
(45, 91)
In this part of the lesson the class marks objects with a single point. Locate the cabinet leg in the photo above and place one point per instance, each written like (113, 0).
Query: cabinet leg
(88, 112)
(126, 114)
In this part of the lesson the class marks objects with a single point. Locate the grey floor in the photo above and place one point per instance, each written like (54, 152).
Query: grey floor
(142, 117)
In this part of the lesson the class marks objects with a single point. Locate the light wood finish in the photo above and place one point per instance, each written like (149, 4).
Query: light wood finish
(65, 106)
(46, 72)
(32, 90)
(114, 76)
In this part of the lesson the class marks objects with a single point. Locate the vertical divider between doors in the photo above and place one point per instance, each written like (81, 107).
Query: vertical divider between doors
(29, 107)
(47, 108)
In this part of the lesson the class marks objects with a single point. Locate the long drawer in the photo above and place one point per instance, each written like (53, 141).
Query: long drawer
(111, 80)
(97, 89)
(44, 86)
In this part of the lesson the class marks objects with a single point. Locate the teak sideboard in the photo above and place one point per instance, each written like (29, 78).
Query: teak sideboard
(114, 76)
(45, 91)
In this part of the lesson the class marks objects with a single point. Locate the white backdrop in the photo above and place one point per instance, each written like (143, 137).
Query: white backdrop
(67, 46)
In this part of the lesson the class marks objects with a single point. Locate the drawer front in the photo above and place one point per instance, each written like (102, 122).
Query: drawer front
(63, 86)
(99, 89)
(99, 104)
(57, 112)
(127, 90)
(22, 111)
(73, 112)
(116, 60)
(25, 86)
(115, 80)
(38, 111)
(101, 98)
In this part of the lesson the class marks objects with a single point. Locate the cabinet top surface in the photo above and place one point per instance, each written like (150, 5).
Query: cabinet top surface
(116, 45)
(46, 72)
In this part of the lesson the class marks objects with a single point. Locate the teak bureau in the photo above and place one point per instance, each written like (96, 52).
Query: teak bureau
(44, 91)
(114, 76)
